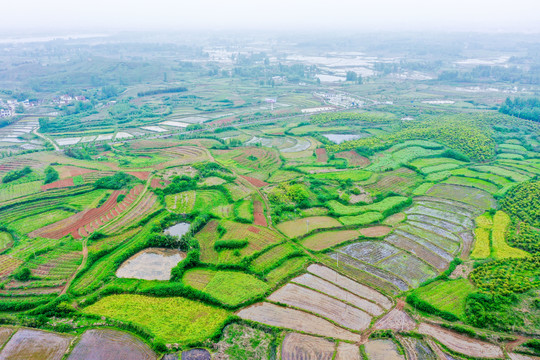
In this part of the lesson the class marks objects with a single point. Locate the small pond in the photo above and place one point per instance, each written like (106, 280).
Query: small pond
(151, 264)
(178, 229)
(339, 138)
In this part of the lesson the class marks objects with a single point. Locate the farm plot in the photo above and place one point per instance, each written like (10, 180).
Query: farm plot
(509, 174)
(354, 175)
(362, 219)
(390, 160)
(299, 227)
(11, 191)
(460, 343)
(369, 251)
(322, 156)
(107, 344)
(438, 245)
(325, 287)
(213, 202)
(171, 319)
(28, 224)
(353, 158)
(297, 320)
(229, 287)
(448, 295)
(36, 345)
(417, 349)
(6, 240)
(59, 184)
(383, 206)
(382, 350)
(409, 268)
(181, 203)
(8, 264)
(346, 351)
(151, 264)
(258, 238)
(326, 239)
(401, 181)
(180, 155)
(299, 346)
(87, 221)
(146, 205)
(349, 285)
(323, 305)
(396, 320)
(377, 273)
(249, 159)
(472, 196)
(238, 190)
(414, 247)
(286, 269)
(500, 248)
(457, 219)
(476, 183)
(270, 258)
(279, 176)
(258, 214)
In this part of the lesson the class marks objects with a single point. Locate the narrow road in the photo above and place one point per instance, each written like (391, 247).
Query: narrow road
(83, 263)
(35, 131)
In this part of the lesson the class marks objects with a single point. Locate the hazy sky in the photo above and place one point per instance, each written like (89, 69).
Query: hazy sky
(363, 15)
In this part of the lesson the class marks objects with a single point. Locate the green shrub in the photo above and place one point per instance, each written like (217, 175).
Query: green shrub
(51, 175)
(229, 244)
(16, 174)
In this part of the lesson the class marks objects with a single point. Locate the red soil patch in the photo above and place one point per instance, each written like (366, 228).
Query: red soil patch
(255, 182)
(322, 156)
(58, 184)
(224, 121)
(79, 225)
(253, 229)
(278, 133)
(258, 214)
(141, 175)
(354, 158)
(159, 183)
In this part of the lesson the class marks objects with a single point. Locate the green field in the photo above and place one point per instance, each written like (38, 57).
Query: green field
(171, 319)
(447, 295)
(229, 287)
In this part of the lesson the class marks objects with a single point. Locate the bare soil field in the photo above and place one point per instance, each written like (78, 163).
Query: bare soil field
(375, 231)
(58, 184)
(29, 344)
(322, 156)
(396, 320)
(258, 214)
(110, 344)
(5, 333)
(460, 343)
(323, 305)
(350, 285)
(278, 316)
(382, 350)
(194, 354)
(255, 182)
(326, 287)
(346, 351)
(70, 171)
(417, 349)
(141, 175)
(353, 158)
(299, 347)
(394, 219)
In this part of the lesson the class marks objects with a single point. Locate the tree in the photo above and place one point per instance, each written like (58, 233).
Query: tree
(352, 76)
(19, 109)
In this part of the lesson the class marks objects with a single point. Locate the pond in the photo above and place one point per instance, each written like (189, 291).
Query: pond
(339, 138)
(151, 264)
(178, 229)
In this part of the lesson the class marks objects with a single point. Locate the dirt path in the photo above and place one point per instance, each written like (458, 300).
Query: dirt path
(35, 131)
(83, 263)
(514, 344)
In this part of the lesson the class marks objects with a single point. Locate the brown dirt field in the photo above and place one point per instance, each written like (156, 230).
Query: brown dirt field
(5, 333)
(394, 219)
(460, 343)
(258, 214)
(255, 182)
(395, 320)
(159, 183)
(254, 229)
(278, 316)
(375, 231)
(346, 351)
(141, 175)
(326, 287)
(58, 184)
(326, 239)
(35, 345)
(315, 302)
(514, 356)
(350, 285)
(322, 156)
(382, 350)
(354, 158)
(110, 344)
(299, 347)
(193, 354)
